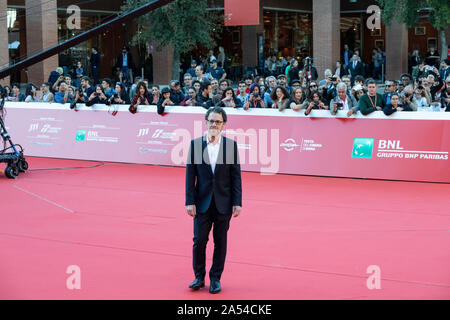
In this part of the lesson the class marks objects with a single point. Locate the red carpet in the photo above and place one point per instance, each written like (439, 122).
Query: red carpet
(297, 238)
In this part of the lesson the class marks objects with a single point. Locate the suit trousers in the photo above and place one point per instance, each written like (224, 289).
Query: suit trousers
(203, 222)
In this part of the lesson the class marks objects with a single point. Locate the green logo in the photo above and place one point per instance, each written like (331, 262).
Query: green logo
(362, 148)
(81, 135)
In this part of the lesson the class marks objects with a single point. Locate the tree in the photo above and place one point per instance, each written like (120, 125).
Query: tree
(182, 25)
(408, 12)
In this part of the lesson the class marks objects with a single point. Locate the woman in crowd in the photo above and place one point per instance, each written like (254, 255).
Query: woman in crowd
(164, 100)
(121, 97)
(30, 93)
(155, 95)
(229, 100)
(255, 100)
(298, 100)
(358, 91)
(189, 100)
(280, 98)
(395, 105)
(315, 101)
(421, 98)
(140, 98)
(97, 97)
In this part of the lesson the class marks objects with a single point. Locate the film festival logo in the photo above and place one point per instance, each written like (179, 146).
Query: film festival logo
(263, 150)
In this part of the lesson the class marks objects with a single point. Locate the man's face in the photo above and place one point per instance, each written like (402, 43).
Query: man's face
(347, 82)
(62, 87)
(248, 82)
(242, 88)
(188, 81)
(214, 65)
(223, 86)
(209, 90)
(342, 93)
(198, 71)
(105, 85)
(68, 80)
(215, 124)
(405, 81)
(45, 88)
(390, 87)
(272, 83)
(355, 58)
(372, 88)
(282, 81)
(345, 47)
(215, 84)
(16, 89)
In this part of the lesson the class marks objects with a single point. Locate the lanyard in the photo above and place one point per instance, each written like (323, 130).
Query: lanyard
(373, 105)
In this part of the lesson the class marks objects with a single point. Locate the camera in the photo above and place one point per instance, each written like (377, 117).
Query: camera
(340, 105)
(316, 103)
(333, 79)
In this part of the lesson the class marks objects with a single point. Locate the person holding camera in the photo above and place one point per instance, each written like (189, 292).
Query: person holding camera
(343, 101)
(140, 98)
(164, 101)
(97, 97)
(189, 100)
(255, 100)
(229, 100)
(309, 70)
(315, 102)
(63, 95)
(407, 98)
(395, 105)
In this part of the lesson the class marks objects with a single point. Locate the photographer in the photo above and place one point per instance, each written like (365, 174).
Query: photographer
(189, 100)
(255, 100)
(62, 96)
(97, 97)
(342, 101)
(407, 99)
(309, 70)
(140, 98)
(229, 100)
(164, 100)
(315, 102)
(395, 106)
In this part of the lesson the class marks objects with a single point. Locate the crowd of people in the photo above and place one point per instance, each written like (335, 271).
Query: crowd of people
(294, 85)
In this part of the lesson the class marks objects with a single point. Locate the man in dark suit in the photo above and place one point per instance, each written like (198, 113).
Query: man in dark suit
(355, 68)
(213, 195)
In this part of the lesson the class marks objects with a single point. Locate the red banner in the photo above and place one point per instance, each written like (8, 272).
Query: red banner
(241, 13)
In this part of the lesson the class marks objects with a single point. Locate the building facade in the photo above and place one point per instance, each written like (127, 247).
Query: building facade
(315, 28)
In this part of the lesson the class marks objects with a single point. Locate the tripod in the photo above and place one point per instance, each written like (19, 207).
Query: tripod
(14, 159)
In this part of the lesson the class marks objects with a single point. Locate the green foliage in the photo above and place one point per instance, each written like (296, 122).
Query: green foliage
(185, 24)
(407, 12)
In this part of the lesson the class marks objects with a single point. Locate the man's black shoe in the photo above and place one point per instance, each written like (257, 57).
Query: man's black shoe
(197, 284)
(214, 286)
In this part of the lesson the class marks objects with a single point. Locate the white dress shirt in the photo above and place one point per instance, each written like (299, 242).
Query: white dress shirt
(213, 151)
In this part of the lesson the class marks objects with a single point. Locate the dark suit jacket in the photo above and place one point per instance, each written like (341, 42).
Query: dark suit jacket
(357, 71)
(225, 183)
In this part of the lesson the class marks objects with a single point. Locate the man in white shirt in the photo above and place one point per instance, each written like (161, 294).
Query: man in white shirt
(343, 101)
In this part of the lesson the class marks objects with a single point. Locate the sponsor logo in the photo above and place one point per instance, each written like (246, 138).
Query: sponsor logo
(145, 150)
(289, 145)
(143, 132)
(81, 135)
(363, 148)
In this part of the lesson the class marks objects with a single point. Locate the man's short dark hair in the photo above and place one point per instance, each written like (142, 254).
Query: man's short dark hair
(205, 86)
(86, 78)
(406, 75)
(218, 110)
(108, 81)
(224, 80)
(15, 84)
(371, 81)
(359, 78)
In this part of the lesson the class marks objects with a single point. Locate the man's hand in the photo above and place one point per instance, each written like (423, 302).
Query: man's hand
(236, 211)
(191, 210)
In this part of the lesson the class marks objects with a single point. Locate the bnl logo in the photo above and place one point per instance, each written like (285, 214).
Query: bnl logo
(81, 135)
(363, 148)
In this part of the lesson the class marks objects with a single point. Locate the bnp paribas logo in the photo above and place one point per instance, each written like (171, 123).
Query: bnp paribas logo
(363, 148)
(81, 135)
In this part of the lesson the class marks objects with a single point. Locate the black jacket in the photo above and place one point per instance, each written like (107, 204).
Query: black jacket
(225, 183)
(206, 103)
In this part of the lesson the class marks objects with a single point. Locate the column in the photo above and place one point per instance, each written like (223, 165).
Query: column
(326, 34)
(42, 33)
(396, 50)
(4, 52)
(162, 65)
